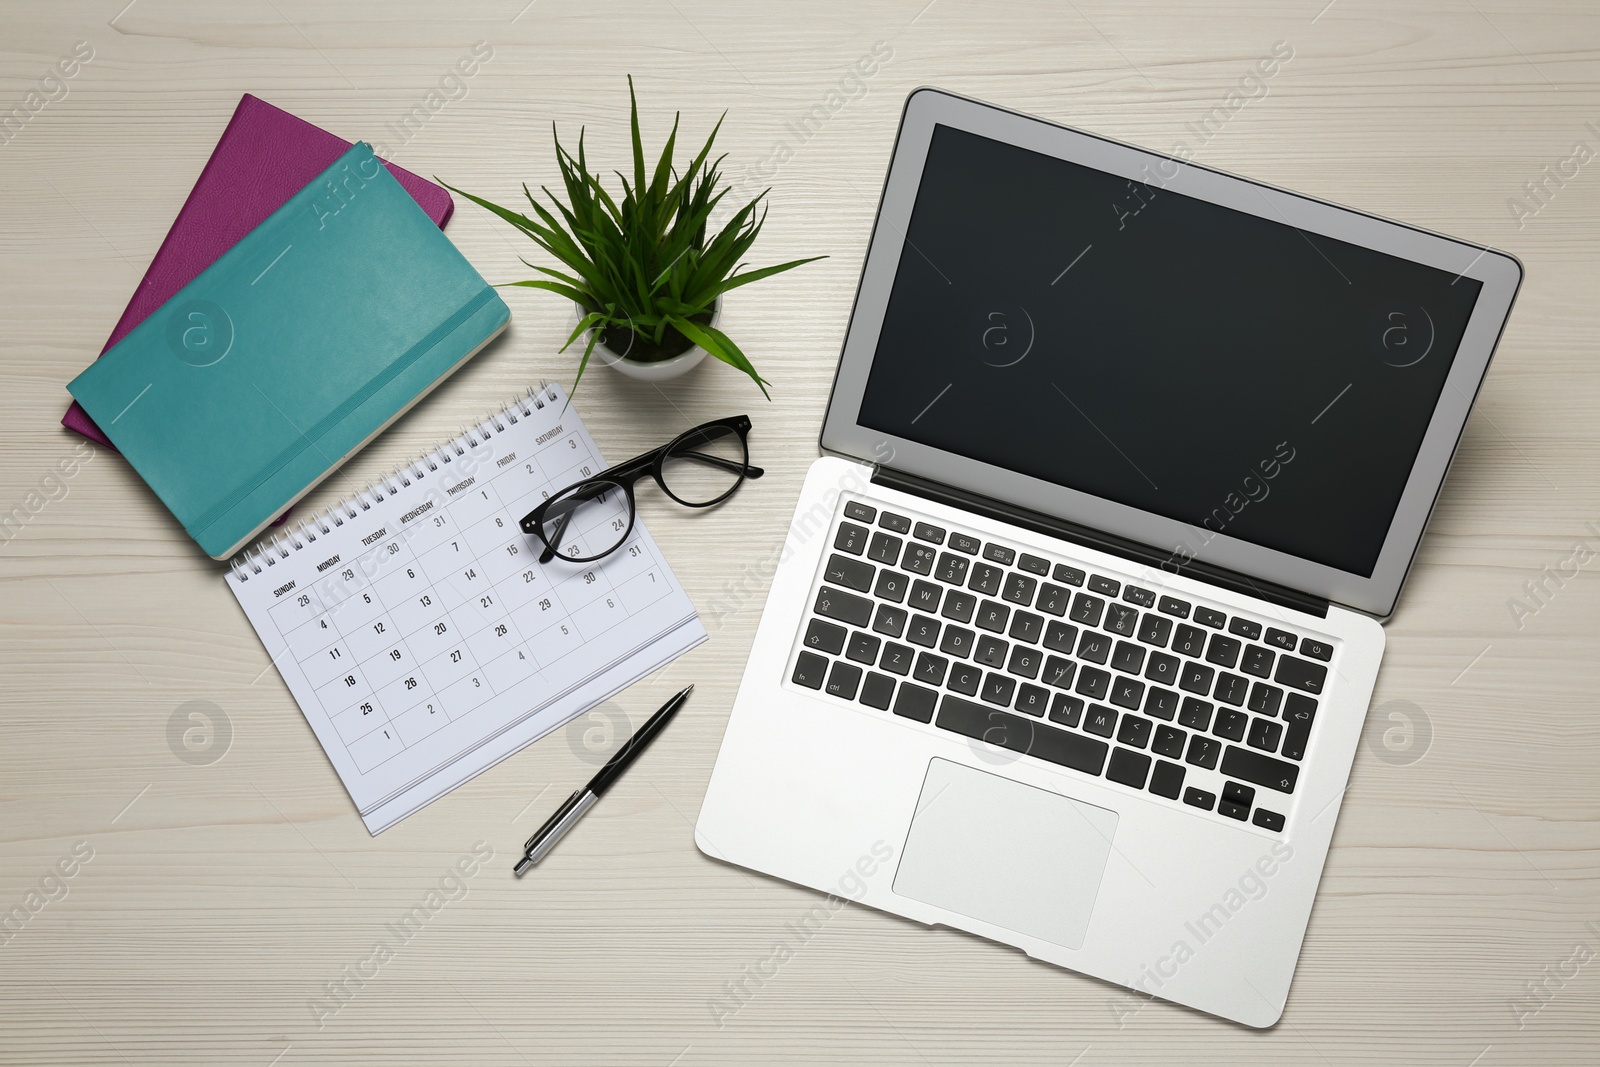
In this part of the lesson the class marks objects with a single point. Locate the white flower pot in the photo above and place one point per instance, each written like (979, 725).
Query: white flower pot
(655, 370)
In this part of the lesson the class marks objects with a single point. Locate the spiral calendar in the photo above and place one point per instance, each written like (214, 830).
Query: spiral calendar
(418, 632)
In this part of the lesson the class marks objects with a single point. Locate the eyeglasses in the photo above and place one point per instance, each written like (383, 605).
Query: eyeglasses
(593, 518)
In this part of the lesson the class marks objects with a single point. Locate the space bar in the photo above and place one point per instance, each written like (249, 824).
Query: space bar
(1023, 735)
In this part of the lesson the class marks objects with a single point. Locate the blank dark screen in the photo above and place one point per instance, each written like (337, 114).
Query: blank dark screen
(1212, 366)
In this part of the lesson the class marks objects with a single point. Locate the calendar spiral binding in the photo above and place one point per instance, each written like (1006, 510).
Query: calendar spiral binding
(267, 554)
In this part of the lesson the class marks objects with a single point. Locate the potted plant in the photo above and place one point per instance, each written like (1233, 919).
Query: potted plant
(644, 270)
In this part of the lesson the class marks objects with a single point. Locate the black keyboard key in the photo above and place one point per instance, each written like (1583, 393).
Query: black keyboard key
(1316, 649)
(923, 631)
(850, 538)
(1162, 668)
(1099, 583)
(957, 642)
(959, 606)
(919, 559)
(1032, 700)
(877, 691)
(1238, 794)
(999, 554)
(930, 668)
(890, 620)
(898, 523)
(1127, 657)
(1134, 731)
(1268, 820)
(1127, 692)
(1210, 617)
(1086, 609)
(965, 678)
(986, 579)
(1093, 683)
(1161, 703)
(1026, 626)
(1231, 724)
(1298, 712)
(1300, 674)
(1154, 630)
(825, 637)
(1282, 639)
(860, 512)
(843, 680)
(924, 531)
(846, 607)
(1166, 780)
(1058, 672)
(891, 586)
(1059, 637)
(1257, 661)
(1095, 647)
(1129, 768)
(1100, 720)
(897, 658)
(952, 569)
(1232, 810)
(851, 573)
(1223, 651)
(1122, 620)
(1133, 594)
(1265, 734)
(1021, 734)
(1067, 575)
(915, 702)
(1230, 689)
(863, 648)
(1024, 661)
(810, 669)
(991, 651)
(1260, 770)
(1195, 677)
(1053, 600)
(997, 688)
(1250, 631)
(1169, 605)
(1019, 589)
(1195, 713)
(1190, 641)
(1168, 741)
(992, 616)
(1264, 699)
(1066, 709)
(1203, 752)
(965, 543)
(885, 549)
(924, 596)
(1034, 564)
(1199, 798)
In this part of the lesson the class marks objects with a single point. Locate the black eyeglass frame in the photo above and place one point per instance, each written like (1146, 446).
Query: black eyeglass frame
(625, 475)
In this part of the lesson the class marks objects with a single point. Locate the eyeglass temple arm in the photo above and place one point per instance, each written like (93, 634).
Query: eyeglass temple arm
(749, 470)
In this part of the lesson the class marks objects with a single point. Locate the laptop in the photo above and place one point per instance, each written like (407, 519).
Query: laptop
(1078, 618)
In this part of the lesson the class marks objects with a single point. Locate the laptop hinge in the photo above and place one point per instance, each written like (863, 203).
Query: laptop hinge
(1067, 530)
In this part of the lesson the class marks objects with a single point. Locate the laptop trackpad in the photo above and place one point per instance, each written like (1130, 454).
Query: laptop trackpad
(1009, 854)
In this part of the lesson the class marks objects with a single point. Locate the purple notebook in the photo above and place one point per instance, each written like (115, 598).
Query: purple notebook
(264, 157)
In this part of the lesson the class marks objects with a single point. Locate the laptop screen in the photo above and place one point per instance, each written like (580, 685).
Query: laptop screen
(1219, 368)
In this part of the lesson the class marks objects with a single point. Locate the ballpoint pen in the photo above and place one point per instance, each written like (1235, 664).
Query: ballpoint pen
(567, 815)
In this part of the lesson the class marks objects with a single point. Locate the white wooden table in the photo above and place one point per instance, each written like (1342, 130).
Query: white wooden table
(214, 907)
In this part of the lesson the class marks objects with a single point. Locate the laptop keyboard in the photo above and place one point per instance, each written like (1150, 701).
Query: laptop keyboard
(1185, 701)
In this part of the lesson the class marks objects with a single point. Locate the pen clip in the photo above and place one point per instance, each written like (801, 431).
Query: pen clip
(560, 813)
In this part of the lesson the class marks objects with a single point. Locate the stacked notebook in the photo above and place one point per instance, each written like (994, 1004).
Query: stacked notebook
(260, 377)
(264, 157)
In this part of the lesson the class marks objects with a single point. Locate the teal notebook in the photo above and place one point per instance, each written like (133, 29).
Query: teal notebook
(292, 351)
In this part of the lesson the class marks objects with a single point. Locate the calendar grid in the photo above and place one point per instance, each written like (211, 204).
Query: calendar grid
(417, 628)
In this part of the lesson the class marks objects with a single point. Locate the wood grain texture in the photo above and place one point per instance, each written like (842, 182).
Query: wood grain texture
(222, 900)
